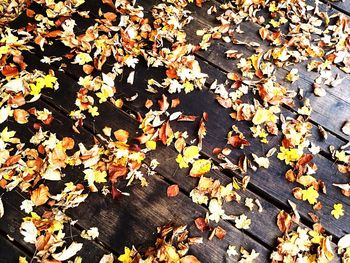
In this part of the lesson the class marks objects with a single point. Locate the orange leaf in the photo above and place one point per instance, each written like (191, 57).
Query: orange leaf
(173, 190)
(9, 71)
(237, 141)
(20, 116)
(284, 221)
(40, 195)
(121, 135)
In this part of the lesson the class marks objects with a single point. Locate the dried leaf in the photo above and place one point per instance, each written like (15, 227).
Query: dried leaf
(200, 167)
(173, 190)
(2, 211)
(69, 252)
(40, 195)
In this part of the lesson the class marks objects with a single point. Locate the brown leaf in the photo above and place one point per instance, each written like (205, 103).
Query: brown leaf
(20, 116)
(199, 3)
(220, 233)
(237, 141)
(148, 104)
(116, 171)
(88, 69)
(67, 143)
(263, 33)
(187, 118)
(175, 102)
(30, 12)
(202, 224)
(297, 193)
(110, 16)
(224, 102)
(171, 73)
(53, 34)
(40, 195)
(290, 176)
(163, 103)
(284, 221)
(314, 217)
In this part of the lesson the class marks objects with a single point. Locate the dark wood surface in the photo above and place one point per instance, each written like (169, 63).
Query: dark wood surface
(132, 220)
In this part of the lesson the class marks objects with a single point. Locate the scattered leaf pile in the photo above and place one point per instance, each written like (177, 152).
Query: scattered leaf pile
(290, 37)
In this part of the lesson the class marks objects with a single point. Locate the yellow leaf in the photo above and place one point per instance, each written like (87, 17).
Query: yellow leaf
(94, 111)
(190, 153)
(288, 155)
(4, 50)
(180, 160)
(263, 115)
(188, 86)
(316, 237)
(310, 195)
(22, 260)
(200, 167)
(273, 7)
(337, 211)
(126, 257)
(7, 135)
(82, 58)
(49, 81)
(340, 155)
(34, 89)
(274, 23)
(151, 145)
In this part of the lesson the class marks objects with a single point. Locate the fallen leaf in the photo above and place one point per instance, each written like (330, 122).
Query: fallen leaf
(200, 167)
(2, 211)
(69, 252)
(172, 190)
(108, 258)
(40, 195)
(346, 128)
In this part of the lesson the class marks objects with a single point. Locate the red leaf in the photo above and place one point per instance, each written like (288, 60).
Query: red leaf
(173, 190)
(237, 141)
(201, 224)
(9, 71)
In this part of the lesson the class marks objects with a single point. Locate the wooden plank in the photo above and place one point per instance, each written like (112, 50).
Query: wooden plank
(221, 129)
(337, 99)
(9, 252)
(12, 200)
(340, 5)
(335, 105)
(12, 220)
(62, 94)
(215, 142)
(65, 129)
(117, 219)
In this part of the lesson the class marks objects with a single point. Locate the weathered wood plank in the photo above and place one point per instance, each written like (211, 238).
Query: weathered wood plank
(337, 98)
(12, 220)
(340, 5)
(222, 136)
(73, 93)
(133, 220)
(203, 102)
(9, 252)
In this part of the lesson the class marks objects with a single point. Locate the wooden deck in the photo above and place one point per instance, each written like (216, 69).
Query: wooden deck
(132, 220)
